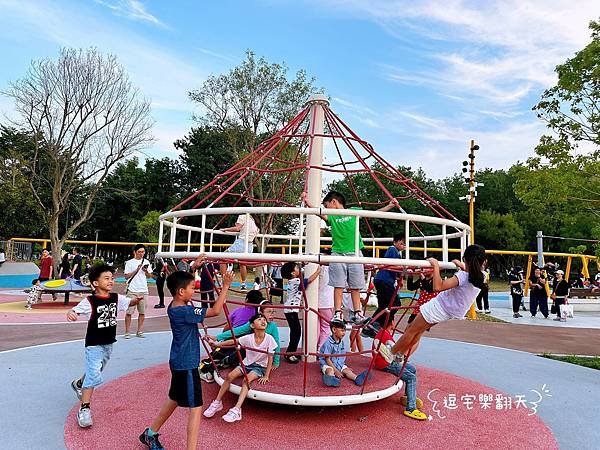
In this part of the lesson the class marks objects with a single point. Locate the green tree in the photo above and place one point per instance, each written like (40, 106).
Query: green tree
(86, 116)
(148, 227)
(15, 196)
(500, 231)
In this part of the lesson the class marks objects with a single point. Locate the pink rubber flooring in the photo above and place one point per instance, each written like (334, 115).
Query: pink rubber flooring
(124, 407)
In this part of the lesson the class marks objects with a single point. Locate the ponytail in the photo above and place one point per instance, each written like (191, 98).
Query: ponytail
(474, 258)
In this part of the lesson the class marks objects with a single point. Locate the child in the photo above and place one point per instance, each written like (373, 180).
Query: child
(291, 271)
(325, 305)
(241, 315)
(185, 390)
(258, 365)
(256, 286)
(343, 236)
(266, 308)
(334, 367)
(456, 295)
(425, 286)
(385, 284)
(409, 375)
(35, 293)
(102, 307)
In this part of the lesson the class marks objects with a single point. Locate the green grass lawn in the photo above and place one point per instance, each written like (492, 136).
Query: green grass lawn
(592, 362)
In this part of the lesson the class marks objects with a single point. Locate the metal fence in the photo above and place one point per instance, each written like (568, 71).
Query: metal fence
(17, 251)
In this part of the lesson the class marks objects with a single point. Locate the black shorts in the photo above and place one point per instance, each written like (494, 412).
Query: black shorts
(185, 388)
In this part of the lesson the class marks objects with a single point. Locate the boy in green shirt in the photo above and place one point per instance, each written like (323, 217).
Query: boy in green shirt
(344, 240)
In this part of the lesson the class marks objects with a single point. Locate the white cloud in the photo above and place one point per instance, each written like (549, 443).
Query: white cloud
(131, 9)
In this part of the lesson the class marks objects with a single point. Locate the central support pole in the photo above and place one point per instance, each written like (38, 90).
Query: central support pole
(313, 222)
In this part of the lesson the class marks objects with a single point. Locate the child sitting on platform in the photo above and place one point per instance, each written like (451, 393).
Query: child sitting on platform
(35, 293)
(385, 362)
(296, 284)
(257, 366)
(333, 366)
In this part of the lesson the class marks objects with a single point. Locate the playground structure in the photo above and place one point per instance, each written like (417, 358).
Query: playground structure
(289, 166)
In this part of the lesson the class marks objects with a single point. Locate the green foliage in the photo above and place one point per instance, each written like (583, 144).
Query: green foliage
(501, 231)
(148, 227)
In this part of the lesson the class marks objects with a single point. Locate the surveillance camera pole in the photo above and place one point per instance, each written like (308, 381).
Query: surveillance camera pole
(472, 193)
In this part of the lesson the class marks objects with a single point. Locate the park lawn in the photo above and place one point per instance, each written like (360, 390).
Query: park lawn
(593, 362)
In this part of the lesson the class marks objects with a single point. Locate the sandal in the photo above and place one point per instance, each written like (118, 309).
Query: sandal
(404, 402)
(416, 414)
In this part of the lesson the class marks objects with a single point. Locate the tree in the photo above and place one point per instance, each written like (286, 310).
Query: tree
(85, 117)
(499, 231)
(15, 196)
(148, 226)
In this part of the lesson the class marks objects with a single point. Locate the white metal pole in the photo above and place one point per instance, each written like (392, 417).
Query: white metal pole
(313, 222)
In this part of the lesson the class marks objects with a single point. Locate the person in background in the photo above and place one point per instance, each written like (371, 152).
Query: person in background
(64, 269)
(2, 257)
(159, 273)
(46, 268)
(560, 292)
(76, 270)
(137, 270)
(516, 281)
(482, 300)
(537, 293)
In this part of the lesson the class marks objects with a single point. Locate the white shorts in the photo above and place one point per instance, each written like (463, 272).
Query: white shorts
(433, 312)
(324, 368)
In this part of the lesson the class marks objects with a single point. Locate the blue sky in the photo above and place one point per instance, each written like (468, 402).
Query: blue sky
(416, 79)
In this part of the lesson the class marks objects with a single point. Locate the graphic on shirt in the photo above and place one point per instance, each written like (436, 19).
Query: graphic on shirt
(107, 315)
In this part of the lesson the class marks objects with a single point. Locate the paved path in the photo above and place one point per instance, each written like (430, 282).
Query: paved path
(34, 385)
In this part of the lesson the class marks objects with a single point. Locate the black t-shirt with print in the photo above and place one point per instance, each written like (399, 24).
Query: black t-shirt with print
(102, 326)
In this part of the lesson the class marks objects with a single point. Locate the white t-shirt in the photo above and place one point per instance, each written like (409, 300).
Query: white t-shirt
(325, 291)
(250, 226)
(457, 301)
(294, 296)
(262, 359)
(2, 257)
(139, 283)
(85, 307)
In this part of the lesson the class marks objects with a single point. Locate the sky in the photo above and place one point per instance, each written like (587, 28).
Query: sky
(418, 80)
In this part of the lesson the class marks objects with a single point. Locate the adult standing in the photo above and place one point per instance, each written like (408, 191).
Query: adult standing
(64, 269)
(46, 268)
(560, 292)
(246, 228)
(76, 270)
(515, 278)
(537, 293)
(482, 300)
(2, 257)
(137, 271)
(160, 273)
(385, 284)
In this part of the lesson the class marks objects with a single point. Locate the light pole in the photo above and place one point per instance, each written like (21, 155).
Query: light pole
(469, 168)
(96, 245)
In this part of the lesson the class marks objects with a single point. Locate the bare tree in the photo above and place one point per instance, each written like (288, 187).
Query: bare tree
(84, 116)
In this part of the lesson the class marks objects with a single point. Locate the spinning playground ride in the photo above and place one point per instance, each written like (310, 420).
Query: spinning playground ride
(272, 178)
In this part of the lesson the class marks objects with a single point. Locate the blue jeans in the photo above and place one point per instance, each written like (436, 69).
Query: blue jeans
(96, 358)
(409, 376)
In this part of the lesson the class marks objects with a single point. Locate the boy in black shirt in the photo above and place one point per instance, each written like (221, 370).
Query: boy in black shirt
(185, 390)
(102, 307)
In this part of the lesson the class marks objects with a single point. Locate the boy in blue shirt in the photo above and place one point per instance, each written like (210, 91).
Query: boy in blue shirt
(185, 390)
(333, 358)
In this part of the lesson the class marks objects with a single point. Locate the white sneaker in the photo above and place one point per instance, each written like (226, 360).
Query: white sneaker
(233, 415)
(84, 417)
(127, 336)
(213, 408)
(338, 316)
(207, 377)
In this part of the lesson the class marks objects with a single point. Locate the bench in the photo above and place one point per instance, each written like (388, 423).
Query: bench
(583, 293)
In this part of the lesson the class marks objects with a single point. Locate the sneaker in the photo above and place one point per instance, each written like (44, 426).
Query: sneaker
(358, 318)
(84, 417)
(519, 315)
(75, 386)
(140, 334)
(362, 377)
(516, 316)
(151, 442)
(371, 329)
(523, 306)
(233, 415)
(487, 311)
(243, 287)
(207, 377)
(399, 358)
(331, 381)
(158, 306)
(126, 336)
(404, 401)
(213, 408)
(338, 316)
(557, 319)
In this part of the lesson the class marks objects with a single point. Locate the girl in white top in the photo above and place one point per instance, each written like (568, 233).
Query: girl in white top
(246, 227)
(456, 295)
